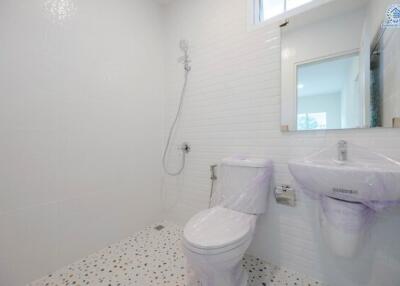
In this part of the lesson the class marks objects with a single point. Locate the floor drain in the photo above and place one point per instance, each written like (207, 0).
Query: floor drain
(159, 227)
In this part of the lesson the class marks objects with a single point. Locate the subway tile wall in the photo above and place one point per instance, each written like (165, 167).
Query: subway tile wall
(232, 107)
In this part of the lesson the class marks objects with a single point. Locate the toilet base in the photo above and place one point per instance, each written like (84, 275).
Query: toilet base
(217, 270)
(219, 266)
(222, 279)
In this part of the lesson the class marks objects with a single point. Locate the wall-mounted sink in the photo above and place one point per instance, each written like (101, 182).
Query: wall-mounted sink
(364, 177)
(351, 184)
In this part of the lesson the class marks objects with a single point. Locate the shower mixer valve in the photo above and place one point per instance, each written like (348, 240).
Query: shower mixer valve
(185, 147)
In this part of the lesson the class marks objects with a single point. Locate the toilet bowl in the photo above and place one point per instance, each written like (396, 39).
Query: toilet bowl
(215, 240)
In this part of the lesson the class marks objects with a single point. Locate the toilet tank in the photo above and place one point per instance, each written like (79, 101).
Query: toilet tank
(243, 185)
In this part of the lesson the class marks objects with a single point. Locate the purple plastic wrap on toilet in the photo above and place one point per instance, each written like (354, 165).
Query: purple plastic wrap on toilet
(215, 239)
(243, 184)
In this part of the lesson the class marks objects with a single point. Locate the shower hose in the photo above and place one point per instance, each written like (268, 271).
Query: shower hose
(171, 131)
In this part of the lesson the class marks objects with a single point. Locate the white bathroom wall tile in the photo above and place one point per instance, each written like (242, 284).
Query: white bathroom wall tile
(28, 243)
(81, 122)
(94, 220)
(30, 175)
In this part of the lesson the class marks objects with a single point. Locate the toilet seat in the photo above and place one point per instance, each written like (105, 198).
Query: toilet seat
(218, 230)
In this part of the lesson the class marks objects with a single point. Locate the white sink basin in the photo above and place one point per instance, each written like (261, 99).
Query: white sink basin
(351, 184)
(364, 177)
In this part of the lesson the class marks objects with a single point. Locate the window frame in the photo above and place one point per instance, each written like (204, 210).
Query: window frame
(254, 10)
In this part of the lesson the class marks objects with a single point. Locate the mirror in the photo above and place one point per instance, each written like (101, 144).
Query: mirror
(341, 66)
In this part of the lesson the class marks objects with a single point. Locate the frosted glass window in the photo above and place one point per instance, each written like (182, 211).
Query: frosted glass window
(268, 9)
(291, 4)
(272, 8)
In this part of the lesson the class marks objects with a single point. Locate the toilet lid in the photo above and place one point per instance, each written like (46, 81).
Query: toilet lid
(217, 227)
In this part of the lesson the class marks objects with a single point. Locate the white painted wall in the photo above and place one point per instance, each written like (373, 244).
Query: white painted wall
(233, 106)
(81, 124)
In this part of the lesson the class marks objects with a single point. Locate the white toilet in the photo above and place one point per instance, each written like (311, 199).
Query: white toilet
(215, 240)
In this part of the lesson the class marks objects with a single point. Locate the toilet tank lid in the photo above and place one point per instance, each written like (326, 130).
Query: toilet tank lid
(247, 162)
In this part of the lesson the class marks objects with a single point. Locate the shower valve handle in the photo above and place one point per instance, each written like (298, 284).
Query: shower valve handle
(185, 147)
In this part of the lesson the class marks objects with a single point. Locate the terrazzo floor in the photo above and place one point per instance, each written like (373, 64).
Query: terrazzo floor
(154, 257)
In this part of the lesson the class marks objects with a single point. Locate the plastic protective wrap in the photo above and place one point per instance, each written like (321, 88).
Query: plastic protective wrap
(216, 239)
(350, 191)
(365, 177)
(344, 225)
(346, 216)
(243, 184)
(218, 227)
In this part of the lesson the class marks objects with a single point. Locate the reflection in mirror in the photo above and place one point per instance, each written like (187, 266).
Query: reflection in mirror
(328, 96)
(340, 68)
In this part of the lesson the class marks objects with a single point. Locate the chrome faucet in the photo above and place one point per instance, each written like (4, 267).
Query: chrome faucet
(342, 151)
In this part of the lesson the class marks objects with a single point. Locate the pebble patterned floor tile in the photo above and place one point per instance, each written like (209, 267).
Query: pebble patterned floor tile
(153, 257)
